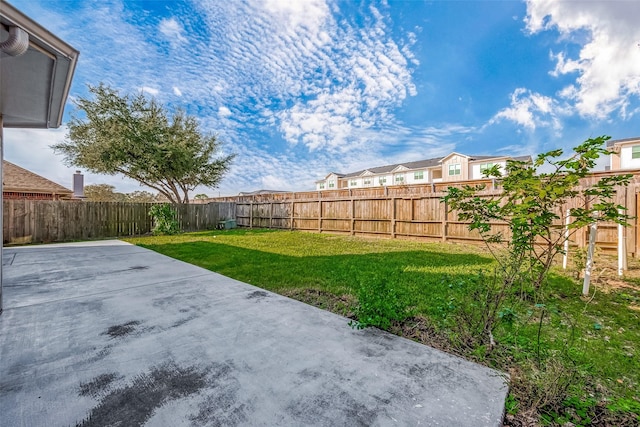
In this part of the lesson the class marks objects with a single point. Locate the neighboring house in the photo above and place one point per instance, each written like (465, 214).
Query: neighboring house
(259, 192)
(625, 153)
(454, 167)
(19, 183)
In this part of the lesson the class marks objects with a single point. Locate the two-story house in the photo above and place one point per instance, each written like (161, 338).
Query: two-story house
(454, 167)
(625, 153)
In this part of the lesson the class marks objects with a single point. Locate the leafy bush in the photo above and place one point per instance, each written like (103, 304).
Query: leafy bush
(164, 218)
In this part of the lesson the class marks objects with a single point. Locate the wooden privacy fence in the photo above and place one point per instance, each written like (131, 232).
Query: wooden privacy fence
(43, 221)
(412, 215)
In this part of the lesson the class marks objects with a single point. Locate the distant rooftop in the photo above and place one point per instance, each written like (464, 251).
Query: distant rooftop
(423, 164)
(20, 180)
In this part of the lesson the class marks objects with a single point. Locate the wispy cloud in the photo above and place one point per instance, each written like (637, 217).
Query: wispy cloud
(320, 80)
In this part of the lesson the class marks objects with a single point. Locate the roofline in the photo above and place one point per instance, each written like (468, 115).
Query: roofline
(50, 41)
(486, 159)
(451, 154)
(6, 189)
(614, 142)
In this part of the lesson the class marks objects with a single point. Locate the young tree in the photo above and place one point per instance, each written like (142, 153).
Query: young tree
(134, 136)
(531, 205)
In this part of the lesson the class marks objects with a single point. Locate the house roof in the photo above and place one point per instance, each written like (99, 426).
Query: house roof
(425, 164)
(17, 179)
(36, 69)
(613, 142)
(420, 164)
(258, 192)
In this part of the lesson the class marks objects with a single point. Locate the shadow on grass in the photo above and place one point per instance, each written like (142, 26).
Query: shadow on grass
(424, 276)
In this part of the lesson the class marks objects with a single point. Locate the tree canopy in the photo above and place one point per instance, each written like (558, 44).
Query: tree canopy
(107, 193)
(136, 137)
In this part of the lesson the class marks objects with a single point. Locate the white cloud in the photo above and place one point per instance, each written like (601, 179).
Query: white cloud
(303, 72)
(173, 31)
(224, 112)
(531, 110)
(608, 63)
(150, 90)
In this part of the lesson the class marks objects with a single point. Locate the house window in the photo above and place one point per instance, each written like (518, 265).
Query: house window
(454, 169)
(353, 183)
(418, 175)
(635, 152)
(485, 166)
(367, 181)
(322, 185)
(399, 179)
(382, 180)
(332, 184)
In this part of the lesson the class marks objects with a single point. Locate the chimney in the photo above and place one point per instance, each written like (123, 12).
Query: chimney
(78, 185)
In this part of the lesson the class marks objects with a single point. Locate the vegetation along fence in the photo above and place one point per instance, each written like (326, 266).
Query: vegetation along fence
(404, 212)
(41, 221)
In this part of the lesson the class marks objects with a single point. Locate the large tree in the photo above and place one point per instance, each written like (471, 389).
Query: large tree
(134, 136)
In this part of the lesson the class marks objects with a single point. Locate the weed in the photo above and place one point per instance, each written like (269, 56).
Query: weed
(379, 304)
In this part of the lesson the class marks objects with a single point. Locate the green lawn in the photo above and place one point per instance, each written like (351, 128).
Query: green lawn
(569, 359)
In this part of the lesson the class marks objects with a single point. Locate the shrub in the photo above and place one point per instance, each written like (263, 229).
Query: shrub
(164, 218)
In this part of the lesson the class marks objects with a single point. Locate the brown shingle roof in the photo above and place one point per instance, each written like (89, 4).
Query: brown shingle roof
(20, 180)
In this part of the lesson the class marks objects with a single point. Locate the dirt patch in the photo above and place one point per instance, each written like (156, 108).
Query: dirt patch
(117, 331)
(134, 404)
(343, 305)
(420, 329)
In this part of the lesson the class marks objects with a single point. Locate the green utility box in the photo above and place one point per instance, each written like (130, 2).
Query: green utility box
(227, 224)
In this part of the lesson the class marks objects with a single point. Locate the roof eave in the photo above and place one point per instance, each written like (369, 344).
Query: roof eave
(65, 59)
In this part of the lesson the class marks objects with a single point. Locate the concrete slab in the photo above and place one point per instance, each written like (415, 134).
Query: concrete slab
(113, 334)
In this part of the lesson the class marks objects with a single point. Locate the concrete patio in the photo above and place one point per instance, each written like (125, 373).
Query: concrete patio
(107, 333)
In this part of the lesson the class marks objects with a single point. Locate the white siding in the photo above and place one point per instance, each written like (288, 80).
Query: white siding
(389, 181)
(475, 169)
(411, 180)
(399, 179)
(626, 162)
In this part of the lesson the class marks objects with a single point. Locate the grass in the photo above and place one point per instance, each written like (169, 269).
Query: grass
(570, 360)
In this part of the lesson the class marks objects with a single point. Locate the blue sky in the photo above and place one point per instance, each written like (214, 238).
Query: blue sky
(302, 88)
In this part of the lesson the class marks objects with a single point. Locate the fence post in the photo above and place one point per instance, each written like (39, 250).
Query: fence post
(271, 214)
(567, 220)
(593, 231)
(319, 216)
(622, 247)
(293, 206)
(445, 222)
(353, 217)
(393, 217)
(250, 214)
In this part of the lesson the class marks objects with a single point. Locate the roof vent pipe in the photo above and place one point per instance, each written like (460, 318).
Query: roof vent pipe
(17, 43)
